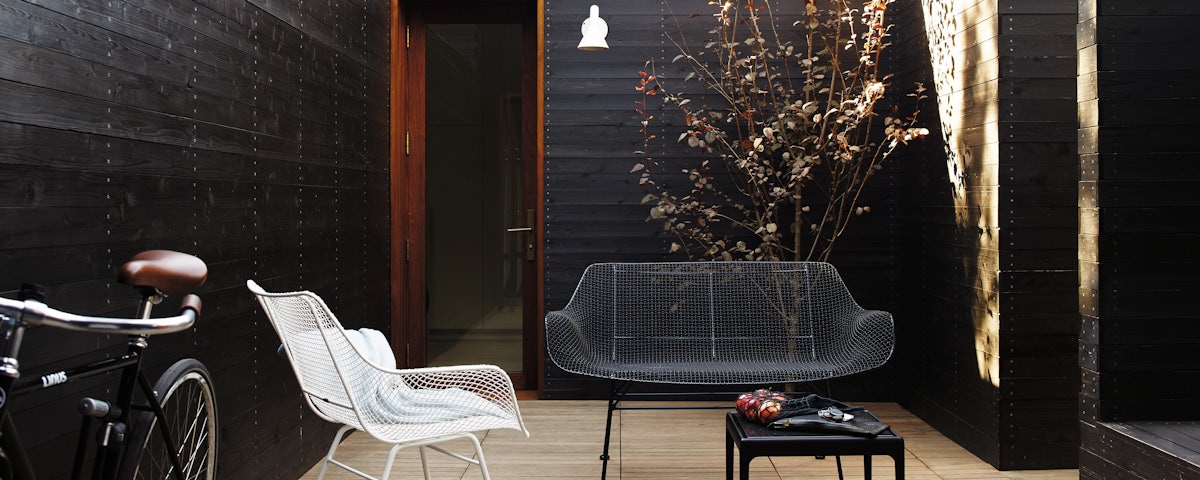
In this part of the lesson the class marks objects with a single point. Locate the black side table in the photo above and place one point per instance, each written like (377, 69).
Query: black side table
(754, 440)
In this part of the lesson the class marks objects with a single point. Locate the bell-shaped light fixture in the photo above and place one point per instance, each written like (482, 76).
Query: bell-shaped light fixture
(594, 31)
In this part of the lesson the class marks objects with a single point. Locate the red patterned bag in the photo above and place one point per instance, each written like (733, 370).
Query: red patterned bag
(765, 405)
(762, 405)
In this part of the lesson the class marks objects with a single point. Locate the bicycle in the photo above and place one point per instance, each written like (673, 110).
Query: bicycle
(181, 405)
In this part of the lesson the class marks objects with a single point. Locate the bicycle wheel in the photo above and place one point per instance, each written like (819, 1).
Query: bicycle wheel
(189, 405)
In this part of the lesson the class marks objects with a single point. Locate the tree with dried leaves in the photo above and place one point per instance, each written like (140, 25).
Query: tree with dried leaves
(795, 127)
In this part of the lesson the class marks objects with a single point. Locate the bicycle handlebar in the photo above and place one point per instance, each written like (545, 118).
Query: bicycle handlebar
(32, 312)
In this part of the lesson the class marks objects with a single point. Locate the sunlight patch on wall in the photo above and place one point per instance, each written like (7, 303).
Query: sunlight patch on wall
(961, 36)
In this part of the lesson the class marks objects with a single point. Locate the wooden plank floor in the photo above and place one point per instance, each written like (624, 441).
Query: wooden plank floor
(567, 436)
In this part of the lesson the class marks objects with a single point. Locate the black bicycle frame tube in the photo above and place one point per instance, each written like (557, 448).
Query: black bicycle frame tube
(11, 334)
(28, 384)
(108, 455)
(21, 386)
(156, 407)
(13, 448)
(108, 458)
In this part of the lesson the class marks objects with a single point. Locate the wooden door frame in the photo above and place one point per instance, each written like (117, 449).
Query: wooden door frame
(407, 176)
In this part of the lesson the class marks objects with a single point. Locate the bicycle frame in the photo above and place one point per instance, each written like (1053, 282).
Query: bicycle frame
(114, 416)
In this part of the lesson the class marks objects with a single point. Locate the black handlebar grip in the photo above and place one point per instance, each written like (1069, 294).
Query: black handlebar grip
(191, 301)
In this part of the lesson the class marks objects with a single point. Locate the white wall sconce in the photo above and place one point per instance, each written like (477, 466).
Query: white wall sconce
(595, 29)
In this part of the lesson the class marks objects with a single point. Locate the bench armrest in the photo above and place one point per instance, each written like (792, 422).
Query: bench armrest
(567, 342)
(867, 331)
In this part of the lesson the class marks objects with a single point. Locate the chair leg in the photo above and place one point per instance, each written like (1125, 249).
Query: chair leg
(387, 467)
(424, 463)
(337, 440)
(479, 456)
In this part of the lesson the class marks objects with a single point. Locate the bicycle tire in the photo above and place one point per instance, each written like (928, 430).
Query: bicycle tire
(189, 405)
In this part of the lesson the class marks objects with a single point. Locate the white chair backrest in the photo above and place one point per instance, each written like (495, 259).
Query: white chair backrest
(327, 366)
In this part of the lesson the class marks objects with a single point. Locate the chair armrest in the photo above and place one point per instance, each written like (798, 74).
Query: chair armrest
(488, 381)
(427, 402)
(566, 341)
(871, 331)
(438, 394)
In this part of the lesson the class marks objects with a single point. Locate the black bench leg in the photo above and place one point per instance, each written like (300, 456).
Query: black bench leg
(604, 455)
(615, 395)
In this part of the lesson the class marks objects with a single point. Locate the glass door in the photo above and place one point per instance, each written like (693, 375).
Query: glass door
(478, 222)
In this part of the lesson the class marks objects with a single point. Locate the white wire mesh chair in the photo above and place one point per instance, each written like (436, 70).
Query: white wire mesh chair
(717, 323)
(416, 407)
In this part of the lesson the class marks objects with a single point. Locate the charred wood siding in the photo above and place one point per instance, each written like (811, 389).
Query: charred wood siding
(592, 201)
(1138, 184)
(989, 229)
(251, 134)
(1038, 178)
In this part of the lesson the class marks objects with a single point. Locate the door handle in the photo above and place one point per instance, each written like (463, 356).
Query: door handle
(528, 243)
(530, 251)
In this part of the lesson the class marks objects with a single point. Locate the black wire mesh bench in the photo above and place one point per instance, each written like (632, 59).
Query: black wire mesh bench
(714, 323)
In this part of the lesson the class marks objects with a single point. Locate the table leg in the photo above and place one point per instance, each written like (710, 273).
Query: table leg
(867, 467)
(899, 459)
(728, 456)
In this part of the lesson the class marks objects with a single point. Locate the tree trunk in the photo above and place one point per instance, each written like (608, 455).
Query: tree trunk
(797, 227)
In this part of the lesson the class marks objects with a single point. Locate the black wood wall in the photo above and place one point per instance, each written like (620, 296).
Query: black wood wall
(593, 211)
(988, 228)
(252, 134)
(1137, 204)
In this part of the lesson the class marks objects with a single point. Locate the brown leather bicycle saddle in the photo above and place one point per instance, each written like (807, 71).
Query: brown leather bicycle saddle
(170, 272)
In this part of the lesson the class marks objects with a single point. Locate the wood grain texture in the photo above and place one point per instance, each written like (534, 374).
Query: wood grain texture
(567, 436)
(990, 228)
(1136, 321)
(247, 133)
